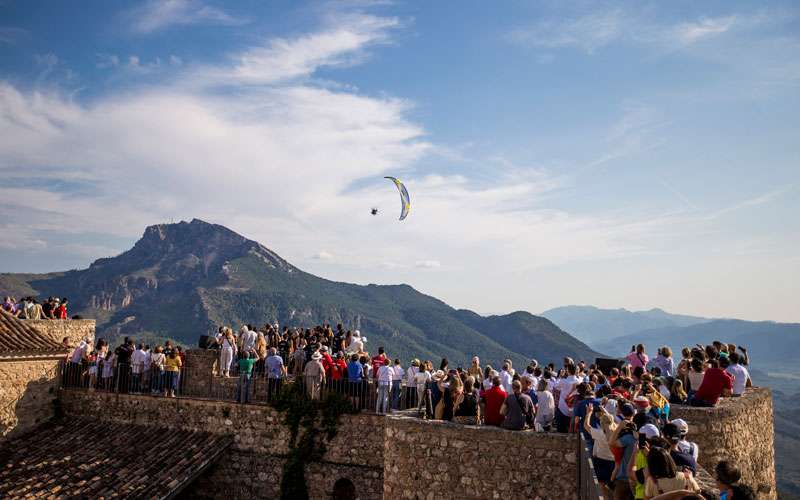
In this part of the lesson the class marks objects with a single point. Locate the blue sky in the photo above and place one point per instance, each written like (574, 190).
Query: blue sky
(622, 154)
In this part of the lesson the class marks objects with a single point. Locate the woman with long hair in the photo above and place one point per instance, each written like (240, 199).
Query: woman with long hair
(677, 395)
(663, 475)
(467, 409)
(695, 376)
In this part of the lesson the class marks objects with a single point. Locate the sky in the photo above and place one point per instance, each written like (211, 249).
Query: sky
(619, 154)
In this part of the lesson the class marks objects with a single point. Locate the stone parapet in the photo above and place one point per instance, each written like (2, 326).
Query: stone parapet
(255, 428)
(738, 429)
(443, 460)
(74, 329)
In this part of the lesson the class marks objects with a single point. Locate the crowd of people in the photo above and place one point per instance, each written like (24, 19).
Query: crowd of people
(637, 450)
(128, 368)
(623, 411)
(30, 308)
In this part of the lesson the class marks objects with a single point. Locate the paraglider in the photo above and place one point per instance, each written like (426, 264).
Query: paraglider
(374, 211)
(405, 199)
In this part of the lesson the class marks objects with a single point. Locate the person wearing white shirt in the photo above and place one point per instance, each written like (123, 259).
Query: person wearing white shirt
(739, 373)
(566, 387)
(137, 367)
(411, 383)
(397, 382)
(384, 384)
(506, 377)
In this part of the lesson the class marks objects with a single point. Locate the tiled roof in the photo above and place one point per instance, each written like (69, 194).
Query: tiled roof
(19, 339)
(86, 458)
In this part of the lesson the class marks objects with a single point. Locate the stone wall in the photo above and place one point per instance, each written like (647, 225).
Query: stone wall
(442, 460)
(28, 391)
(75, 329)
(738, 429)
(255, 475)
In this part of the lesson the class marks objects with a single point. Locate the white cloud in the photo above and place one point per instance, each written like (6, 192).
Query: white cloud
(287, 163)
(324, 256)
(341, 44)
(160, 14)
(691, 32)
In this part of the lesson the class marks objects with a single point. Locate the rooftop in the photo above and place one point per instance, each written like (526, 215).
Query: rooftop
(82, 457)
(18, 339)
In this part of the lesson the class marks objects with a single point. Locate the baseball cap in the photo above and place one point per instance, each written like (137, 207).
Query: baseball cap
(683, 427)
(649, 431)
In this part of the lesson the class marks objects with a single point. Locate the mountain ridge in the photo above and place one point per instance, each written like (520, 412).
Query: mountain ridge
(182, 280)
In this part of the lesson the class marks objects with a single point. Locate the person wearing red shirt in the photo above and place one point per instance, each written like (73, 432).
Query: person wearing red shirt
(339, 372)
(327, 362)
(61, 311)
(377, 361)
(494, 399)
(716, 383)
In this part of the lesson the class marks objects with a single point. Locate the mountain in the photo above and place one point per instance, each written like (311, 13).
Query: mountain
(593, 325)
(183, 280)
(768, 343)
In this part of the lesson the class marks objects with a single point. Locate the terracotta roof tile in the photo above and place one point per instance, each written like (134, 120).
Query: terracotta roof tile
(82, 457)
(19, 339)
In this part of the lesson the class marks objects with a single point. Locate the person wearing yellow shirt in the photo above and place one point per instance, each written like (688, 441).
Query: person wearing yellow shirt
(172, 367)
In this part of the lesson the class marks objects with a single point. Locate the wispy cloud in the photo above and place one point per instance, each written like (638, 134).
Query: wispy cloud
(156, 15)
(11, 35)
(588, 32)
(342, 43)
(594, 30)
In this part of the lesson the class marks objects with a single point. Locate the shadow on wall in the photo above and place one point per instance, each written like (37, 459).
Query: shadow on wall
(28, 396)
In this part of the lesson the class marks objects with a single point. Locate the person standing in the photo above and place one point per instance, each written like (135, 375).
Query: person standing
(517, 409)
(314, 376)
(494, 399)
(227, 353)
(157, 370)
(137, 368)
(172, 367)
(411, 384)
(276, 371)
(397, 382)
(545, 407)
(246, 364)
(384, 376)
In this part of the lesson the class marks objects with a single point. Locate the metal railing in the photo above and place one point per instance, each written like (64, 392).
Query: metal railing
(588, 486)
(254, 388)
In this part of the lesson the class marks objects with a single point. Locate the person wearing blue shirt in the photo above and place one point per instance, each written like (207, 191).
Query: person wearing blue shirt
(624, 436)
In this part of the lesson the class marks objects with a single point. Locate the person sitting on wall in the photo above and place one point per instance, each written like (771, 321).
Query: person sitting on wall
(716, 383)
(741, 377)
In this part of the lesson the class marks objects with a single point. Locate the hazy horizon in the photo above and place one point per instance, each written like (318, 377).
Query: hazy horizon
(618, 154)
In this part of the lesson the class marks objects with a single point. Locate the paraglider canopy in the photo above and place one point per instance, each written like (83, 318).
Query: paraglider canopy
(405, 200)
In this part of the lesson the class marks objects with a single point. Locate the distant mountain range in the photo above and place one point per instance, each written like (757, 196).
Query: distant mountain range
(182, 280)
(614, 331)
(592, 325)
(768, 343)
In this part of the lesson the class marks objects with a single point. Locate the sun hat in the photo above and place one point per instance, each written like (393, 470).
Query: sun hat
(683, 427)
(649, 431)
(316, 355)
(438, 375)
(641, 402)
(415, 362)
